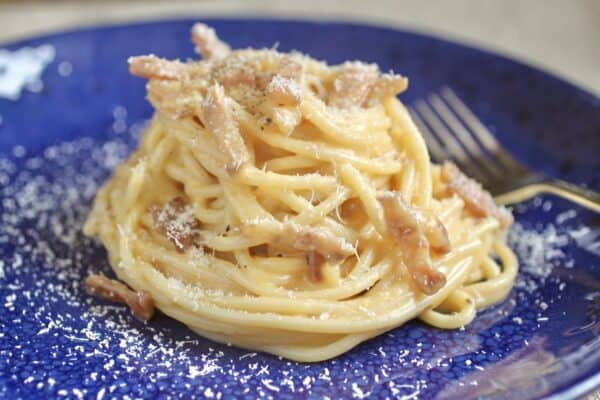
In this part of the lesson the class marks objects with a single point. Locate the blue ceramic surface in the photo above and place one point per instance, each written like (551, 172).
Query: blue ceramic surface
(59, 144)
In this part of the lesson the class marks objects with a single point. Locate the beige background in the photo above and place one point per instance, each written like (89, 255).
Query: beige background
(561, 36)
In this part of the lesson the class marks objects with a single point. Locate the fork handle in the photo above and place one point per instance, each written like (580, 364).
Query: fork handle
(576, 190)
(577, 194)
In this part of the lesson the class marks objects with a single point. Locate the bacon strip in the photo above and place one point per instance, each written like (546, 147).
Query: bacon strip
(353, 84)
(284, 88)
(291, 237)
(171, 98)
(313, 239)
(315, 262)
(152, 67)
(318, 244)
(231, 76)
(141, 303)
(208, 45)
(437, 235)
(217, 116)
(169, 89)
(177, 222)
(477, 201)
(404, 226)
(387, 85)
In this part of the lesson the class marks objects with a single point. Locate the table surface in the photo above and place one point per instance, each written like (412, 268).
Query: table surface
(562, 37)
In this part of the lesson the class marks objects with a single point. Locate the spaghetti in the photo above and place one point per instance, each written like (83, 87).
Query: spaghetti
(280, 204)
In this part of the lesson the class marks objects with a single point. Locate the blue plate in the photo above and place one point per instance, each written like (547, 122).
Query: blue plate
(65, 134)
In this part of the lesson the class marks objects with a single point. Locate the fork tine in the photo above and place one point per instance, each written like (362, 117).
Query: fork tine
(435, 148)
(454, 149)
(485, 137)
(463, 136)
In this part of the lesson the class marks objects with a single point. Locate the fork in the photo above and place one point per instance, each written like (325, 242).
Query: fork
(453, 132)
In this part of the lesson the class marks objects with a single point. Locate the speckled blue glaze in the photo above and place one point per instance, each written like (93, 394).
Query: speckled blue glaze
(55, 341)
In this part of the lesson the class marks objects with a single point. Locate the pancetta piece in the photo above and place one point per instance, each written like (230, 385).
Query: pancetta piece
(232, 76)
(177, 222)
(152, 67)
(386, 85)
(477, 200)
(403, 223)
(208, 44)
(317, 243)
(352, 86)
(285, 87)
(141, 303)
(315, 262)
(217, 116)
